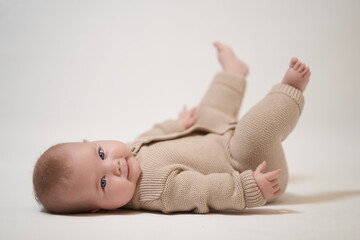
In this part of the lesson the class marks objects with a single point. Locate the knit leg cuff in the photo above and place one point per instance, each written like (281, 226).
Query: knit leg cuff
(235, 81)
(292, 92)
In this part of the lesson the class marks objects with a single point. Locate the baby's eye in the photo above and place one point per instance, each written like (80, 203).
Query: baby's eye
(102, 154)
(103, 182)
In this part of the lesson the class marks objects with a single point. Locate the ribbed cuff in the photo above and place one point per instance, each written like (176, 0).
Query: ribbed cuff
(253, 196)
(232, 80)
(292, 92)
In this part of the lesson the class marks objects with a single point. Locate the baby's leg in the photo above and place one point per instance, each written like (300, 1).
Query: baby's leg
(259, 133)
(229, 61)
(222, 100)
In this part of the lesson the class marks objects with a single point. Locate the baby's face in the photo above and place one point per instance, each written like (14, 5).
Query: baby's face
(104, 174)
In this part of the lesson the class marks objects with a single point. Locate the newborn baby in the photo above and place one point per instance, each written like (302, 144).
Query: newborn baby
(205, 160)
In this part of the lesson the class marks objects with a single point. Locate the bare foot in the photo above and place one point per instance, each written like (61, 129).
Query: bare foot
(298, 74)
(229, 61)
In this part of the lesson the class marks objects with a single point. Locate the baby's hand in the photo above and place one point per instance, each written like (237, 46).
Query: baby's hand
(267, 182)
(187, 118)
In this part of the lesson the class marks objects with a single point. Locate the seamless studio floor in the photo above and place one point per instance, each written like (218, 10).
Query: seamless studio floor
(321, 203)
(74, 70)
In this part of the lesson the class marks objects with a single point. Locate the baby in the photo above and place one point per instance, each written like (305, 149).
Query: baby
(205, 160)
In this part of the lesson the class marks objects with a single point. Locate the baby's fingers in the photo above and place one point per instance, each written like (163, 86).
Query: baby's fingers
(277, 193)
(193, 120)
(276, 188)
(272, 175)
(261, 167)
(184, 109)
(192, 111)
(274, 181)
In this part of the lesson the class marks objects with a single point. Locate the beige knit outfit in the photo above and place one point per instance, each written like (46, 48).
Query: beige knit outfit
(210, 165)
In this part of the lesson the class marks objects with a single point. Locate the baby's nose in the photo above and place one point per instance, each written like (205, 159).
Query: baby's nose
(118, 164)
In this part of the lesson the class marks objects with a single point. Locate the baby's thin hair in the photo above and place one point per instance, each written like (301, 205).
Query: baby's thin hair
(51, 173)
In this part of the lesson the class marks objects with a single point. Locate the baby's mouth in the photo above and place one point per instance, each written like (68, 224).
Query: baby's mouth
(128, 168)
(124, 162)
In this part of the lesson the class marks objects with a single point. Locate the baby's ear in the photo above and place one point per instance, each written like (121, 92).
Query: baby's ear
(86, 141)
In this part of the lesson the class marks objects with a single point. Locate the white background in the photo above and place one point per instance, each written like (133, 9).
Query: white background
(110, 69)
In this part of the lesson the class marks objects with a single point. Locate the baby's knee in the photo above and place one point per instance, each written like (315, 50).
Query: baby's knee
(249, 153)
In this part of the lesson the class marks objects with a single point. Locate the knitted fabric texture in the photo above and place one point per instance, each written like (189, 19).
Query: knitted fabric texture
(193, 170)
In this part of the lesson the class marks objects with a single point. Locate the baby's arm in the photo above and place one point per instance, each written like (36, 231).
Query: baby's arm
(189, 190)
(186, 119)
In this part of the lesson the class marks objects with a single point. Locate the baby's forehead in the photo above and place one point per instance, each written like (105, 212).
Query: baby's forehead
(80, 146)
(76, 151)
(80, 156)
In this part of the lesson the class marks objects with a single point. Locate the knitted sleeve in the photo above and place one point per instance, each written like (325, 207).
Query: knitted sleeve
(166, 127)
(192, 191)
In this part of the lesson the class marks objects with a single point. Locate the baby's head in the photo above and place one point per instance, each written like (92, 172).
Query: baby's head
(85, 176)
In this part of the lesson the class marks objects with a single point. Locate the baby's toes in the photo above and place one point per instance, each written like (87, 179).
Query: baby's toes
(307, 69)
(227, 48)
(297, 65)
(293, 61)
(218, 45)
(302, 68)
